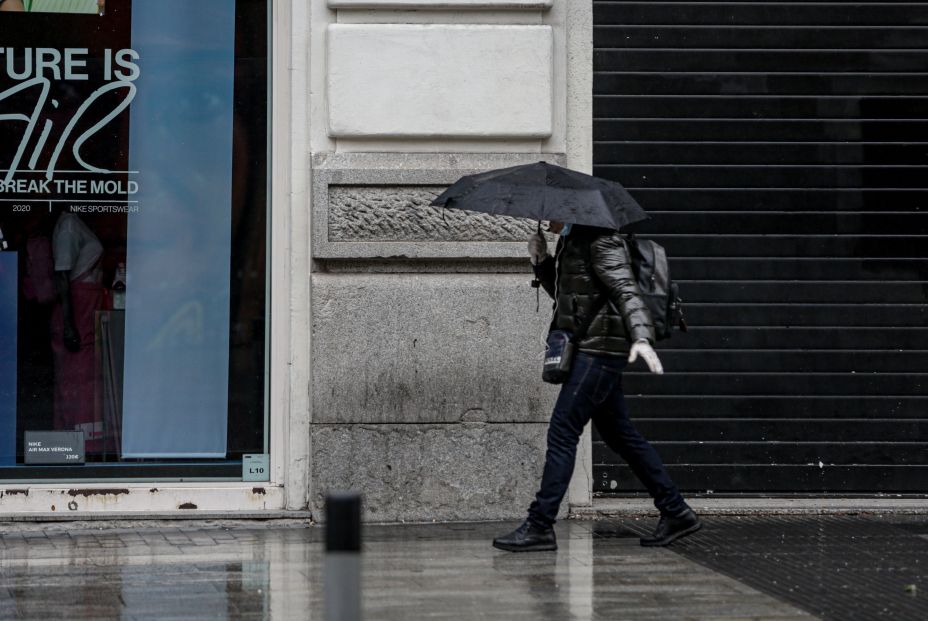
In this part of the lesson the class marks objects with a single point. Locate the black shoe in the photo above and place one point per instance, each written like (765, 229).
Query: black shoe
(527, 538)
(669, 529)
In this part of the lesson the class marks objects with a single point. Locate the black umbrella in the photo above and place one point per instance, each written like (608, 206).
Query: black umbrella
(543, 191)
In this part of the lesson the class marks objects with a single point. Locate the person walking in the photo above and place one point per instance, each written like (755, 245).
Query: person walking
(590, 263)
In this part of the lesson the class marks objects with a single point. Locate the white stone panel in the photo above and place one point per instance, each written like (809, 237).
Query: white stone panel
(439, 81)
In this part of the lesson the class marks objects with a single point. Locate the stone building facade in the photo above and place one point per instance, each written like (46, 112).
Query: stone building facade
(425, 340)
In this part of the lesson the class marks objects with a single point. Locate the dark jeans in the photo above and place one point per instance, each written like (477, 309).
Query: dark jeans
(594, 390)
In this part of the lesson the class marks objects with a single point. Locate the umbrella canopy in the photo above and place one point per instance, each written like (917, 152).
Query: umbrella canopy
(543, 191)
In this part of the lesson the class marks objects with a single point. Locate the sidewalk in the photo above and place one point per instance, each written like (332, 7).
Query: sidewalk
(765, 567)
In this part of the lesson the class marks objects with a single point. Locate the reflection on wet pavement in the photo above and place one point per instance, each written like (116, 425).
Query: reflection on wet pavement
(248, 570)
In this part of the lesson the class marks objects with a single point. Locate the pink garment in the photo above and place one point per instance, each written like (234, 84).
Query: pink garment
(75, 372)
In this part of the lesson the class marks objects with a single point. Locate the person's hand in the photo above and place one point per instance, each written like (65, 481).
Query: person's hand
(537, 248)
(643, 348)
(72, 338)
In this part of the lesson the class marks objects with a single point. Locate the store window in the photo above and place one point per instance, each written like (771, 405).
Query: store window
(133, 238)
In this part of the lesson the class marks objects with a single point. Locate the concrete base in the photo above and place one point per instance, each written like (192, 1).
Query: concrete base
(430, 472)
(758, 506)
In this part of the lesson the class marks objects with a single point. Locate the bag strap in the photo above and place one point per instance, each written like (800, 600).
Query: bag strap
(591, 316)
(598, 305)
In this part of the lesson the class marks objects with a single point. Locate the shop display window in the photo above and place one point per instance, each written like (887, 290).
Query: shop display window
(133, 238)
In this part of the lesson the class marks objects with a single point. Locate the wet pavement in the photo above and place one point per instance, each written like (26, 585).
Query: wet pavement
(774, 568)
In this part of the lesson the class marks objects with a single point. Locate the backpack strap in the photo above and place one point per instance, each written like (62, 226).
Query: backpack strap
(661, 274)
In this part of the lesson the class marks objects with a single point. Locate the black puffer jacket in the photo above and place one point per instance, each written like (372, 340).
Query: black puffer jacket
(589, 262)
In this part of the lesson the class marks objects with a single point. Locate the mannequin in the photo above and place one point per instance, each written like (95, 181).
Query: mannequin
(78, 282)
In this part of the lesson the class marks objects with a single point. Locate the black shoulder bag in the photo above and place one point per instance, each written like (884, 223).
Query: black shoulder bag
(561, 345)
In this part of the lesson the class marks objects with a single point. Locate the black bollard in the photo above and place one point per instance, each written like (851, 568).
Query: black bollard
(343, 557)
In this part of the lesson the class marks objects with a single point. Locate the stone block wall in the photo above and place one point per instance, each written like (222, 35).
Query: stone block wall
(426, 391)
(426, 346)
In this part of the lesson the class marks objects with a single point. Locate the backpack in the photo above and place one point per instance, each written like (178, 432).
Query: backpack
(660, 293)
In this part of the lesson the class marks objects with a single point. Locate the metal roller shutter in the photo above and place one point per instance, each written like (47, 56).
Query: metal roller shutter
(782, 149)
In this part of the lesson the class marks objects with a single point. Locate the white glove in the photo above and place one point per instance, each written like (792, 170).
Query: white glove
(648, 354)
(537, 248)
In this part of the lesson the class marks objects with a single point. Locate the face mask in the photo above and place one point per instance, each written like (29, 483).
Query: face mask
(566, 230)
